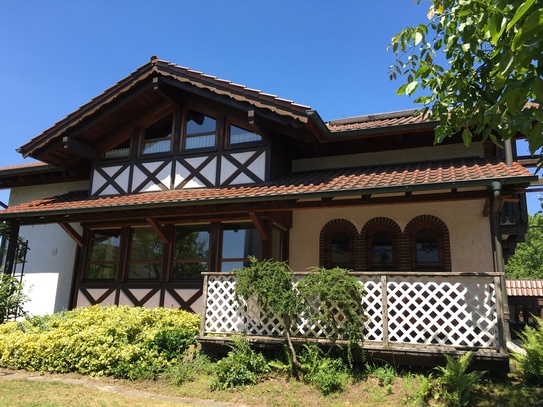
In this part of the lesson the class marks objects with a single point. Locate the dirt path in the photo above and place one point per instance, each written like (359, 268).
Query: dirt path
(107, 387)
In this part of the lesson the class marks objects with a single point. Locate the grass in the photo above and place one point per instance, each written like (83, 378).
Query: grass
(275, 391)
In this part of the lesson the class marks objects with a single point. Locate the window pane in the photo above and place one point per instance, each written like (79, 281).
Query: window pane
(191, 242)
(105, 245)
(227, 266)
(102, 272)
(381, 249)
(156, 147)
(199, 142)
(121, 150)
(427, 248)
(197, 123)
(157, 137)
(144, 271)
(340, 247)
(145, 254)
(146, 245)
(188, 270)
(239, 135)
(240, 243)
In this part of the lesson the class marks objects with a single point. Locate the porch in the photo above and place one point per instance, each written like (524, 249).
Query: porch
(411, 317)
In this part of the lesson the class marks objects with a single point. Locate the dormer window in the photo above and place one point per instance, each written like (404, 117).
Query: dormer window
(239, 135)
(121, 150)
(157, 138)
(200, 131)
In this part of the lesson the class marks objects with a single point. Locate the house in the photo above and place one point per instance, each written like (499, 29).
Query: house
(154, 191)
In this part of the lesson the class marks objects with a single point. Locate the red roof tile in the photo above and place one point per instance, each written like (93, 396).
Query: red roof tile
(380, 179)
(524, 288)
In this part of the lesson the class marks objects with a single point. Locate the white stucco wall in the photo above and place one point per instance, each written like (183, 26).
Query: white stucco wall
(50, 260)
(469, 229)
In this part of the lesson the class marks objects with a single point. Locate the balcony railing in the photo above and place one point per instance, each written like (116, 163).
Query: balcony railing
(453, 310)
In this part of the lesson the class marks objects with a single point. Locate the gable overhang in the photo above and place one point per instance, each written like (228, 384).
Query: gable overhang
(68, 140)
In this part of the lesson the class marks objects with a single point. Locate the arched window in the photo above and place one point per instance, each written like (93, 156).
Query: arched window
(427, 247)
(337, 244)
(381, 247)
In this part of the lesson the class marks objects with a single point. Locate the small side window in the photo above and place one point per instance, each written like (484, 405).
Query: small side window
(240, 136)
(104, 254)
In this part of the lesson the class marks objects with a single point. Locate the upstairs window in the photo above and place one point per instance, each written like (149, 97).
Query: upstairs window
(239, 135)
(200, 131)
(121, 150)
(427, 248)
(157, 138)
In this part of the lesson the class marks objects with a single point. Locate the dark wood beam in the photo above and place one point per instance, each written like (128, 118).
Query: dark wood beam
(72, 233)
(259, 225)
(157, 227)
(79, 148)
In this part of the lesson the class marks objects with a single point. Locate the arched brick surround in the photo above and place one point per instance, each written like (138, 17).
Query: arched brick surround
(386, 223)
(336, 225)
(440, 225)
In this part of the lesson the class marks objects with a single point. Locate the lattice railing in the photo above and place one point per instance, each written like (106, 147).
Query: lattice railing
(439, 309)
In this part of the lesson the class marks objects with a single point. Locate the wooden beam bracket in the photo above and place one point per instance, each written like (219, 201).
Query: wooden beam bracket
(159, 229)
(72, 233)
(259, 226)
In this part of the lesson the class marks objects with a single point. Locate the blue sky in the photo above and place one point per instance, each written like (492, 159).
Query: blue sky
(56, 55)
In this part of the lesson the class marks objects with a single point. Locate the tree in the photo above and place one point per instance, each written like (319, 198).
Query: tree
(527, 262)
(491, 79)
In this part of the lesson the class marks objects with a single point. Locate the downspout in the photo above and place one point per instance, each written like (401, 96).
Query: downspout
(508, 152)
(503, 324)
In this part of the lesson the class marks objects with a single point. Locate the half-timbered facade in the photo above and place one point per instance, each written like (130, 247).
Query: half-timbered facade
(154, 191)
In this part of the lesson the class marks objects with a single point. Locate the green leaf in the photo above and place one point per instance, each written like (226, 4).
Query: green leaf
(466, 137)
(537, 88)
(532, 26)
(520, 12)
(401, 90)
(411, 88)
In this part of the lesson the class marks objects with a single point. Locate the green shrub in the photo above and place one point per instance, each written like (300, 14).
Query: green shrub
(531, 363)
(240, 367)
(127, 342)
(326, 374)
(189, 368)
(12, 298)
(456, 382)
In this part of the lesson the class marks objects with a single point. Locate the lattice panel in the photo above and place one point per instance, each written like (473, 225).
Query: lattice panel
(373, 308)
(224, 314)
(110, 180)
(447, 311)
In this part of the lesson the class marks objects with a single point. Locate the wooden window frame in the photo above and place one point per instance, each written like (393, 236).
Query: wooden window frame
(171, 137)
(440, 246)
(340, 228)
(372, 231)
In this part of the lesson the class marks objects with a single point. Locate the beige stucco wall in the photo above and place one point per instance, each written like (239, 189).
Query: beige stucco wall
(469, 229)
(50, 260)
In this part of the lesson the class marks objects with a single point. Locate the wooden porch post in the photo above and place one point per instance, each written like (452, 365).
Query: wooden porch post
(12, 248)
(204, 308)
(502, 306)
(384, 297)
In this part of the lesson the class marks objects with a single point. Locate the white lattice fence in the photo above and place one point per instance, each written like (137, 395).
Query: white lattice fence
(441, 310)
(223, 313)
(432, 310)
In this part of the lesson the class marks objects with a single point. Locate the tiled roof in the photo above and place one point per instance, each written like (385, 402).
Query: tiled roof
(379, 120)
(380, 179)
(524, 288)
(26, 166)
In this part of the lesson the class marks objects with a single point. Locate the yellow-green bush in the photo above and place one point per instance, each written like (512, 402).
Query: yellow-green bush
(120, 341)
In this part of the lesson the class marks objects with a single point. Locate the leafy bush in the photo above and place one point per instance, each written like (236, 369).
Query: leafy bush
(241, 366)
(326, 374)
(189, 368)
(456, 382)
(127, 342)
(531, 363)
(385, 374)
